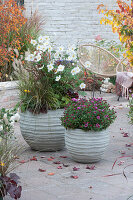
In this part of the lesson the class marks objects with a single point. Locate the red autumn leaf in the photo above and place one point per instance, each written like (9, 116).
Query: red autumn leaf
(23, 161)
(129, 145)
(121, 128)
(59, 167)
(112, 174)
(41, 170)
(125, 134)
(122, 152)
(75, 177)
(65, 165)
(52, 157)
(49, 159)
(57, 162)
(33, 159)
(90, 167)
(63, 156)
(75, 169)
(51, 174)
(121, 163)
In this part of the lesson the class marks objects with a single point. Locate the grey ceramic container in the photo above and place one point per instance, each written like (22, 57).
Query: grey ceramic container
(43, 132)
(86, 147)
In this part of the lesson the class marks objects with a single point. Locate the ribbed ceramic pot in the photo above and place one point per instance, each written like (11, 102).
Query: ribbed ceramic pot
(43, 132)
(86, 147)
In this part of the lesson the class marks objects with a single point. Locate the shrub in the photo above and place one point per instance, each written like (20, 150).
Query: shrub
(93, 114)
(131, 110)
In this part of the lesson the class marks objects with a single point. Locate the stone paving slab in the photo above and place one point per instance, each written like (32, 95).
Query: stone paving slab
(91, 184)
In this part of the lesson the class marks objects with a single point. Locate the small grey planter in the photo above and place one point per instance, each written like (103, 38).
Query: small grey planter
(43, 132)
(86, 147)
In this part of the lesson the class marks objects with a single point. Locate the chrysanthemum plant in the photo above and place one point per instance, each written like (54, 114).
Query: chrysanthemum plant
(93, 114)
(53, 76)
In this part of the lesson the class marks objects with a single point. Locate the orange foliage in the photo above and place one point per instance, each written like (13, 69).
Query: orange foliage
(11, 22)
(122, 22)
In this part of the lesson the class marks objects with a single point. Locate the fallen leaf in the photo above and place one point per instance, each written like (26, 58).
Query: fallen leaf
(122, 152)
(129, 145)
(41, 170)
(43, 157)
(75, 177)
(63, 156)
(75, 169)
(51, 174)
(90, 187)
(125, 134)
(23, 161)
(57, 162)
(90, 167)
(59, 167)
(121, 128)
(112, 174)
(65, 165)
(120, 158)
(121, 163)
(49, 159)
(33, 159)
(52, 157)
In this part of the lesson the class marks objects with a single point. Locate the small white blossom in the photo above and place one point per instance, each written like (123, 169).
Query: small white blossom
(39, 47)
(46, 38)
(44, 48)
(49, 48)
(60, 49)
(38, 57)
(71, 48)
(34, 42)
(87, 64)
(50, 67)
(30, 57)
(58, 78)
(16, 117)
(60, 68)
(56, 55)
(41, 39)
(82, 85)
(75, 70)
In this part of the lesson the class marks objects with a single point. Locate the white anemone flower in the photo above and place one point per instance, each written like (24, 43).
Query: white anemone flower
(71, 48)
(44, 48)
(60, 68)
(58, 78)
(49, 48)
(39, 47)
(46, 43)
(30, 57)
(16, 117)
(41, 39)
(46, 38)
(82, 85)
(73, 56)
(56, 55)
(75, 70)
(34, 42)
(60, 49)
(50, 67)
(87, 64)
(38, 57)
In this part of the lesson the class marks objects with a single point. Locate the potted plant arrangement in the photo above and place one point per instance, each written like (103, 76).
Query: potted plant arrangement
(46, 83)
(86, 123)
(8, 149)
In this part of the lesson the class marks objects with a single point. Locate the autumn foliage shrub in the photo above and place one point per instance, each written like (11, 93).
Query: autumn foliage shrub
(16, 32)
(121, 21)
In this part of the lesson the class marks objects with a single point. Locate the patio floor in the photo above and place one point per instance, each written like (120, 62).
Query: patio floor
(91, 184)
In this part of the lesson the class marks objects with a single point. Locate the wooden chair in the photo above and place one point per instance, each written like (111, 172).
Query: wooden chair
(102, 62)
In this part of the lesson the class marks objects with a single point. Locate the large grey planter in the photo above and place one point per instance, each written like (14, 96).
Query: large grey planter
(43, 132)
(86, 147)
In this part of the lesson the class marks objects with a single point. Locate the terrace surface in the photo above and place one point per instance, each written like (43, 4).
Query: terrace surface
(102, 183)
